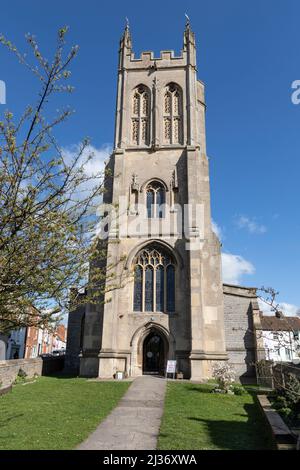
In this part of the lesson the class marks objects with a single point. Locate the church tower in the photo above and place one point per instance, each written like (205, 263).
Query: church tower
(170, 305)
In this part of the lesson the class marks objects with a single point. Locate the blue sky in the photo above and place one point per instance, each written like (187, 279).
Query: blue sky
(247, 55)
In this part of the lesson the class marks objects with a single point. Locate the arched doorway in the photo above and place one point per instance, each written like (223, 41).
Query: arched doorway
(154, 354)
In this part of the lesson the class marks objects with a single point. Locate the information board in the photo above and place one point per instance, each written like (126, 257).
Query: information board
(171, 367)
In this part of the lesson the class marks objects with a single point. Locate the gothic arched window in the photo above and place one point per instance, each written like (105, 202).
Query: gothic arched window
(173, 115)
(154, 281)
(155, 199)
(140, 124)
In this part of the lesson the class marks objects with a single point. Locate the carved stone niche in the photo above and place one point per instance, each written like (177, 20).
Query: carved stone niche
(134, 195)
(134, 183)
(173, 191)
(174, 180)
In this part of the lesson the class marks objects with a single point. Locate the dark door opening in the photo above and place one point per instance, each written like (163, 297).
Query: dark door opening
(153, 354)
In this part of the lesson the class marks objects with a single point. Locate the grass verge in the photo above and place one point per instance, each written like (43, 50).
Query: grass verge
(55, 413)
(195, 419)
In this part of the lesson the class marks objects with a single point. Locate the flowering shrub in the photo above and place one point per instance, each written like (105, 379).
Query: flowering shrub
(225, 375)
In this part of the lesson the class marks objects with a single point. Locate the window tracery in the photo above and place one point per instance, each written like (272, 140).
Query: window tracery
(154, 281)
(155, 199)
(140, 122)
(173, 115)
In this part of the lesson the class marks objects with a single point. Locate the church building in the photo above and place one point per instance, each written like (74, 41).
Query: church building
(173, 305)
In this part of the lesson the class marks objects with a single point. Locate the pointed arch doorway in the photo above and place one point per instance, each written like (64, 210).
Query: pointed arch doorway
(154, 354)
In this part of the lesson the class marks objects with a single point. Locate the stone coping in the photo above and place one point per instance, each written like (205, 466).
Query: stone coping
(5, 390)
(16, 362)
(283, 436)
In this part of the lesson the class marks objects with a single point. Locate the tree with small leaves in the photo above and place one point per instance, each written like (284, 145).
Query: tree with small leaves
(48, 203)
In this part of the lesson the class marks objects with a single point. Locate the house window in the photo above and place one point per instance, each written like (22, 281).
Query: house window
(140, 121)
(288, 354)
(154, 281)
(172, 116)
(155, 199)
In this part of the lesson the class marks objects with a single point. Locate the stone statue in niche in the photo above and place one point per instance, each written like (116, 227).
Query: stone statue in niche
(174, 180)
(133, 199)
(134, 183)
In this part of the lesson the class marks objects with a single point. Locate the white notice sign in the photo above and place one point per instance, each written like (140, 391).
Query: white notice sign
(171, 367)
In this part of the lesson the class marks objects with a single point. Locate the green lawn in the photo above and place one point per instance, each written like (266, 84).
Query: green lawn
(196, 419)
(55, 413)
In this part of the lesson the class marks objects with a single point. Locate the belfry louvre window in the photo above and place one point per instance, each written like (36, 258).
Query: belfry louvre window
(155, 199)
(154, 281)
(140, 122)
(173, 133)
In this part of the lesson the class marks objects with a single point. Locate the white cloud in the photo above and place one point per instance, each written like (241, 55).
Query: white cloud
(234, 267)
(98, 156)
(250, 224)
(217, 229)
(95, 159)
(289, 309)
(265, 308)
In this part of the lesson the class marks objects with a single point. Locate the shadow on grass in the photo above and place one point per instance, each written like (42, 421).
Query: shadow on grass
(239, 435)
(239, 428)
(204, 388)
(61, 375)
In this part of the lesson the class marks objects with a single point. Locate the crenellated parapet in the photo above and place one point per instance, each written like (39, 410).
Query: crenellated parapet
(147, 59)
(166, 58)
(160, 101)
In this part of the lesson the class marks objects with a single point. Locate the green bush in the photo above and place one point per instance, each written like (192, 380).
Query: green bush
(279, 402)
(285, 412)
(287, 400)
(238, 390)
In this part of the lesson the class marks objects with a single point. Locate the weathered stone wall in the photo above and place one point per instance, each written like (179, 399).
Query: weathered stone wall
(9, 369)
(239, 331)
(39, 366)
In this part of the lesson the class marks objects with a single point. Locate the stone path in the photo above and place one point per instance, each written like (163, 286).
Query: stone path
(134, 423)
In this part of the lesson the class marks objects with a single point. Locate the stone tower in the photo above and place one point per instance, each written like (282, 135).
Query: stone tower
(171, 305)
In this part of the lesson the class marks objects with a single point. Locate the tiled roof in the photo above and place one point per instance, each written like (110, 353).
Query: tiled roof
(283, 323)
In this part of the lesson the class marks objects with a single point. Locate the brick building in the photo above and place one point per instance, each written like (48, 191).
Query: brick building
(31, 342)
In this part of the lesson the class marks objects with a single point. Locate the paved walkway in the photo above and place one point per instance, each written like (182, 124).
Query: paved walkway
(134, 423)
